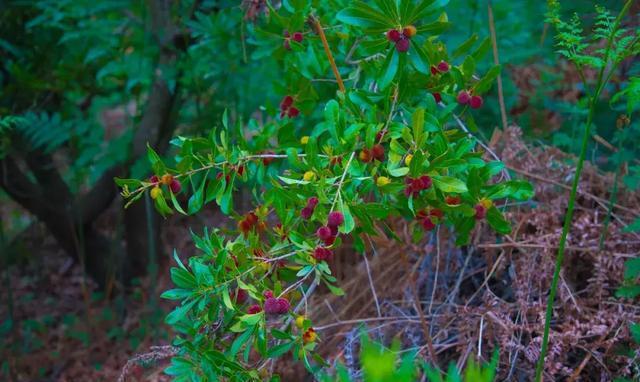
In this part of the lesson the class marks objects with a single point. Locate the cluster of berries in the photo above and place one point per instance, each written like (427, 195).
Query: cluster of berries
(297, 37)
(401, 39)
(310, 334)
(376, 152)
(415, 185)
(249, 222)
(329, 232)
(272, 305)
(465, 97)
(287, 108)
(167, 180)
(429, 218)
(442, 67)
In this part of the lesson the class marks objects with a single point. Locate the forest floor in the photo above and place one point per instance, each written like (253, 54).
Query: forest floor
(466, 301)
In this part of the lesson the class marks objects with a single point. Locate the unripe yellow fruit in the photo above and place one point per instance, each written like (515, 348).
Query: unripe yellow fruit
(382, 181)
(264, 266)
(155, 192)
(410, 31)
(304, 140)
(300, 322)
(486, 203)
(166, 179)
(309, 176)
(407, 159)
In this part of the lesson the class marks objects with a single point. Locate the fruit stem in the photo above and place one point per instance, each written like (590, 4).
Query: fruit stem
(327, 51)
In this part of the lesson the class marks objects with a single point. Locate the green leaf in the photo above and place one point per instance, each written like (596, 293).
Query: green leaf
(349, 224)
(485, 82)
(497, 221)
(389, 69)
(449, 184)
(279, 350)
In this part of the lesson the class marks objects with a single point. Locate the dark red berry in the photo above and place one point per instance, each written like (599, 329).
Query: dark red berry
(425, 182)
(436, 212)
(329, 241)
(293, 112)
(402, 45)
(452, 200)
(481, 212)
(365, 155)
(434, 70)
(443, 67)
(154, 179)
(324, 233)
(175, 186)
(297, 37)
(476, 102)
(437, 97)
(241, 296)
(393, 35)
(287, 101)
(312, 202)
(427, 224)
(464, 97)
(240, 170)
(321, 253)
(336, 218)
(306, 213)
(276, 305)
(334, 230)
(253, 309)
(379, 135)
(268, 294)
(378, 152)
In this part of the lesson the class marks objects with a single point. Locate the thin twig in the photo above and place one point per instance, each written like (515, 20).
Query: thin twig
(327, 51)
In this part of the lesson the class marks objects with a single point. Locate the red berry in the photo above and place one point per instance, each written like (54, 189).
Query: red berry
(481, 212)
(306, 213)
(324, 233)
(253, 309)
(240, 170)
(443, 67)
(335, 219)
(268, 294)
(378, 152)
(287, 101)
(434, 71)
(297, 37)
(268, 160)
(321, 253)
(293, 112)
(425, 182)
(154, 179)
(312, 202)
(276, 305)
(252, 218)
(393, 35)
(427, 224)
(240, 296)
(329, 241)
(476, 102)
(286, 44)
(244, 226)
(464, 97)
(175, 186)
(379, 135)
(437, 97)
(402, 45)
(334, 230)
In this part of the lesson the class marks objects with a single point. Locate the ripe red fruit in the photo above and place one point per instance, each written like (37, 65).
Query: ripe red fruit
(286, 102)
(379, 135)
(253, 309)
(393, 35)
(293, 112)
(175, 186)
(427, 224)
(276, 305)
(334, 230)
(240, 296)
(481, 212)
(464, 97)
(252, 218)
(425, 182)
(268, 294)
(476, 102)
(452, 200)
(297, 37)
(336, 218)
(240, 170)
(443, 66)
(402, 45)
(244, 226)
(321, 253)
(378, 152)
(312, 202)
(324, 233)
(365, 155)
(306, 213)
(329, 241)
(154, 179)
(434, 71)
(437, 97)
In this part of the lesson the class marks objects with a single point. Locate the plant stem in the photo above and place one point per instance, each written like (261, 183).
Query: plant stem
(327, 51)
(600, 83)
